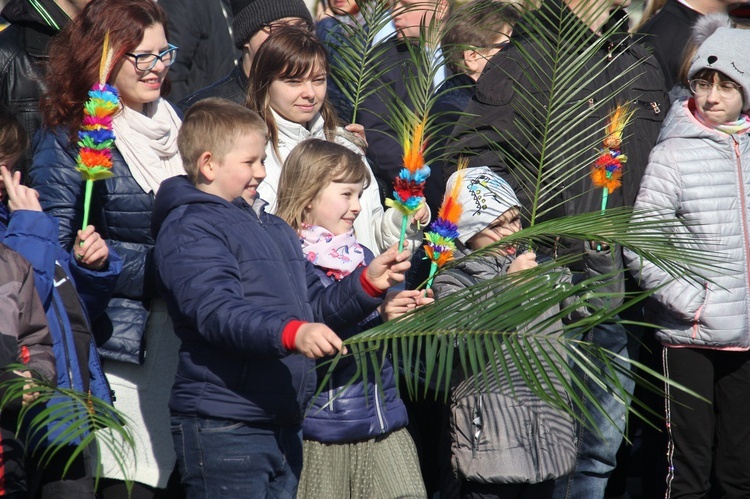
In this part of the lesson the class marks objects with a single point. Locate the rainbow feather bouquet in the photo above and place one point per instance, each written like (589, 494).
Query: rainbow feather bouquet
(96, 137)
(408, 187)
(441, 238)
(607, 170)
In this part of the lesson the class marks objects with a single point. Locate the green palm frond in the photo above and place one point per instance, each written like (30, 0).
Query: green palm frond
(526, 326)
(354, 69)
(62, 418)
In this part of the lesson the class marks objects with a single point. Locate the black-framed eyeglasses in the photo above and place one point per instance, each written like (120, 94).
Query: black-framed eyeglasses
(726, 88)
(146, 62)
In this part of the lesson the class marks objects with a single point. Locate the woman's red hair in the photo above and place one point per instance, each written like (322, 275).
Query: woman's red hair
(75, 54)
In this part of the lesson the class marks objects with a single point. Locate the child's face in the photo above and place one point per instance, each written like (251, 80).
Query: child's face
(336, 207)
(504, 225)
(241, 169)
(719, 106)
(299, 99)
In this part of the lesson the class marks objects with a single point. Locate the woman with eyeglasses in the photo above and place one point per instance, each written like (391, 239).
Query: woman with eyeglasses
(699, 172)
(134, 333)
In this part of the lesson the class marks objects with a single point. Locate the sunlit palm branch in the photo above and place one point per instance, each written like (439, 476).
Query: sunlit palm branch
(468, 329)
(62, 418)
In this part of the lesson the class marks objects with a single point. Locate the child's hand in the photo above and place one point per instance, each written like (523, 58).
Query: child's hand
(315, 340)
(397, 303)
(422, 215)
(90, 249)
(523, 261)
(28, 397)
(20, 197)
(388, 268)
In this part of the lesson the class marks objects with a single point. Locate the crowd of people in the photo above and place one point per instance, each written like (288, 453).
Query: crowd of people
(242, 231)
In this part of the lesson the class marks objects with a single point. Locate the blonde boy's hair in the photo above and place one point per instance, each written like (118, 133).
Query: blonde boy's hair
(213, 125)
(13, 138)
(308, 169)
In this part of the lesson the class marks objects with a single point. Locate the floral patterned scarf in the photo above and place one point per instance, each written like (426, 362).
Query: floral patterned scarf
(337, 255)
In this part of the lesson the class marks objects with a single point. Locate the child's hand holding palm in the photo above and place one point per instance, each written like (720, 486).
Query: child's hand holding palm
(388, 268)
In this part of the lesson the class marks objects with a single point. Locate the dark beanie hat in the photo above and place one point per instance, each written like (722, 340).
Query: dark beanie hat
(251, 15)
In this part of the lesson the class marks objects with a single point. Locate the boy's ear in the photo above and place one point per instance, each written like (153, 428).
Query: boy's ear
(207, 166)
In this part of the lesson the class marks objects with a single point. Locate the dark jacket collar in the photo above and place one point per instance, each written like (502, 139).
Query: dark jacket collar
(40, 21)
(552, 14)
(238, 73)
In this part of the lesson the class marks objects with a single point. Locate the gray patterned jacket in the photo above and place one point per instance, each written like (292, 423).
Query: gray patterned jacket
(503, 437)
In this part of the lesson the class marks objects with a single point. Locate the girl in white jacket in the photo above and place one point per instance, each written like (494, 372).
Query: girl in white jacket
(699, 171)
(288, 85)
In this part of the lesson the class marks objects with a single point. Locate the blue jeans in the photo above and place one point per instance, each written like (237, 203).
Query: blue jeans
(597, 447)
(228, 459)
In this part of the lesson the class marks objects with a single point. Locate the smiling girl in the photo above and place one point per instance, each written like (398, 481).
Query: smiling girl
(144, 154)
(288, 89)
(355, 438)
(699, 172)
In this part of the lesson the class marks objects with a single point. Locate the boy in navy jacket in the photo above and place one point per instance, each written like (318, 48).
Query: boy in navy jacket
(244, 302)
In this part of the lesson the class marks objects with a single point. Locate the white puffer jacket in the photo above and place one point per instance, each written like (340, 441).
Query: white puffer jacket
(375, 228)
(701, 176)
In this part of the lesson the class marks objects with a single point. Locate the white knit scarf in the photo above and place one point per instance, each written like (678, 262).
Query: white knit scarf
(148, 143)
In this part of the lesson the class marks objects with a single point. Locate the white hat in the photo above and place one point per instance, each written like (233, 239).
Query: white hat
(722, 48)
(484, 196)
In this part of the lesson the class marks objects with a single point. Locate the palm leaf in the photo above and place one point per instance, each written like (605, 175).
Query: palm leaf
(357, 63)
(521, 324)
(62, 418)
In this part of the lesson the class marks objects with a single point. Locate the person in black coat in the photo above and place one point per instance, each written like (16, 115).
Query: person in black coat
(252, 23)
(23, 54)
(668, 33)
(202, 30)
(503, 133)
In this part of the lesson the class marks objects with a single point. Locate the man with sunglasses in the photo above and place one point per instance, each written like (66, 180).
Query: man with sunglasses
(254, 21)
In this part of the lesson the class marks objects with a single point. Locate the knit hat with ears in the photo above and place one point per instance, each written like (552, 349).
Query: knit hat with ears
(251, 15)
(722, 47)
(484, 196)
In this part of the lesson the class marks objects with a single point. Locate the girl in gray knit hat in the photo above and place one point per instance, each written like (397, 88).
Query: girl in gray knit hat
(699, 171)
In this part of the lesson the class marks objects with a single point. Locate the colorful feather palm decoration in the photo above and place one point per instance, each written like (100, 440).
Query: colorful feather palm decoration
(607, 170)
(408, 187)
(441, 238)
(96, 138)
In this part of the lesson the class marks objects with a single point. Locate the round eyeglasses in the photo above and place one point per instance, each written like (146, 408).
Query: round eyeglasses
(146, 62)
(726, 88)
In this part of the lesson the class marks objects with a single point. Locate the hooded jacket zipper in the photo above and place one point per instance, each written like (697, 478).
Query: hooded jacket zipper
(379, 408)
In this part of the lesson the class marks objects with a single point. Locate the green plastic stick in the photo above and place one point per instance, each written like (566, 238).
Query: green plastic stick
(404, 225)
(433, 271)
(87, 203)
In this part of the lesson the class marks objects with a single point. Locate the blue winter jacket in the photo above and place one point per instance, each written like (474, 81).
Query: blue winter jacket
(34, 235)
(362, 410)
(234, 277)
(121, 214)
